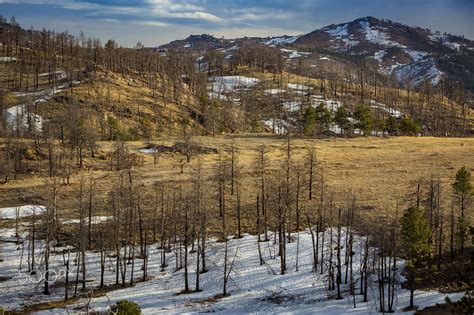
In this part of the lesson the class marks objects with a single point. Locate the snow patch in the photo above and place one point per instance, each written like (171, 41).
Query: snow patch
(340, 32)
(7, 59)
(282, 40)
(294, 53)
(445, 40)
(94, 220)
(300, 87)
(232, 83)
(376, 36)
(419, 72)
(274, 91)
(277, 126)
(379, 55)
(416, 55)
(11, 213)
(391, 111)
(292, 106)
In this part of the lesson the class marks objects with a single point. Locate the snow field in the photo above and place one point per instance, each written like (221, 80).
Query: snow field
(252, 287)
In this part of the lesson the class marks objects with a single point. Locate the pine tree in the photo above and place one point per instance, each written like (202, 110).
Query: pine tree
(415, 240)
(364, 118)
(341, 118)
(324, 117)
(309, 121)
(463, 190)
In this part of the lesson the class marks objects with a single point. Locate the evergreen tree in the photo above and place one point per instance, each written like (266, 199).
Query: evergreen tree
(409, 126)
(416, 234)
(340, 118)
(391, 125)
(364, 118)
(324, 117)
(463, 191)
(379, 125)
(309, 121)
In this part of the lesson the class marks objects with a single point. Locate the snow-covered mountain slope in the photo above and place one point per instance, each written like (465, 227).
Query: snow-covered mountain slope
(396, 50)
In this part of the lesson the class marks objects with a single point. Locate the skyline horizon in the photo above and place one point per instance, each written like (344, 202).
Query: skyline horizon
(156, 22)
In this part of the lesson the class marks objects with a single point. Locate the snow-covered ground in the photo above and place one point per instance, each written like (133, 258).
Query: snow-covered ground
(391, 111)
(332, 105)
(252, 287)
(19, 114)
(231, 83)
(292, 106)
(379, 55)
(299, 87)
(277, 126)
(58, 75)
(325, 58)
(282, 40)
(11, 213)
(418, 72)
(445, 40)
(94, 220)
(294, 53)
(340, 32)
(7, 59)
(416, 55)
(377, 36)
(274, 91)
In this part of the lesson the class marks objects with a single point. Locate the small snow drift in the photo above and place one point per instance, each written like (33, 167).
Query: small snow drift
(391, 111)
(277, 126)
(299, 87)
(7, 59)
(294, 53)
(292, 106)
(97, 219)
(274, 91)
(379, 55)
(224, 84)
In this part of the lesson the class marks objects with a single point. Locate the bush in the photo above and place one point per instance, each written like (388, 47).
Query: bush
(409, 126)
(125, 307)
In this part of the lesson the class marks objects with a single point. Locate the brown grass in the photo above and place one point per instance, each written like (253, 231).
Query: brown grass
(381, 172)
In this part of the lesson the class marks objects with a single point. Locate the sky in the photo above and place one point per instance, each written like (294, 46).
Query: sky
(155, 22)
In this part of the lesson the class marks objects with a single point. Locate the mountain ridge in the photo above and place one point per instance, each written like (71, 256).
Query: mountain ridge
(405, 54)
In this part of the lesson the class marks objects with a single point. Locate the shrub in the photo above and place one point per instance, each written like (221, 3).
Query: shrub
(125, 307)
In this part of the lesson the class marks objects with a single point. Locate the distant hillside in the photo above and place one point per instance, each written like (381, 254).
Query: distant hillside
(407, 55)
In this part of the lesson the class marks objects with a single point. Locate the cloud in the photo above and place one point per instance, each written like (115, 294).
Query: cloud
(129, 20)
(150, 23)
(156, 9)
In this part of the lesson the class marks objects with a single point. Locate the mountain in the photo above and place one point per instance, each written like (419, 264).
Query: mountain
(197, 42)
(405, 54)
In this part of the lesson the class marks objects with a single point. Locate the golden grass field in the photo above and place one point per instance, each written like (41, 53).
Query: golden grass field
(381, 172)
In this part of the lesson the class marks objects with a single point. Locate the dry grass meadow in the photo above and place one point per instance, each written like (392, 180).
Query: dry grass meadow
(380, 172)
